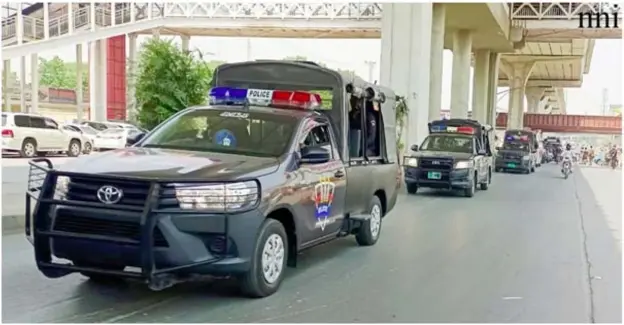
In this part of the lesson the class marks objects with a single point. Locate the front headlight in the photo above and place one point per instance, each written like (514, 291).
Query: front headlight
(526, 157)
(62, 187)
(219, 197)
(410, 161)
(463, 164)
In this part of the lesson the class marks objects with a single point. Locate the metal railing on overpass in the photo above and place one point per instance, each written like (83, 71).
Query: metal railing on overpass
(558, 10)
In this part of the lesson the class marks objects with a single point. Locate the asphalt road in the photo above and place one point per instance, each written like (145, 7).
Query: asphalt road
(534, 248)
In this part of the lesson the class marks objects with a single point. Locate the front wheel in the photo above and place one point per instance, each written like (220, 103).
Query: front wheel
(369, 231)
(268, 262)
(470, 192)
(74, 148)
(412, 188)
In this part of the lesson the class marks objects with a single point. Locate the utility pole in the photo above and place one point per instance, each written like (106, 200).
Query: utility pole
(371, 69)
(248, 48)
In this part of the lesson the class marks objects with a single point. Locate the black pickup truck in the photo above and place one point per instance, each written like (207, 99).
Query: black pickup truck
(234, 188)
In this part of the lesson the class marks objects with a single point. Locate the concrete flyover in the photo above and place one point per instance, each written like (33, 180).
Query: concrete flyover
(515, 253)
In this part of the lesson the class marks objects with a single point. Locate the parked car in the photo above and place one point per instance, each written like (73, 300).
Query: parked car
(86, 133)
(112, 138)
(99, 126)
(32, 134)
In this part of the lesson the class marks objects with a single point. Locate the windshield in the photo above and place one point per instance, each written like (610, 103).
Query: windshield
(237, 132)
(445, 142)
(88, 130)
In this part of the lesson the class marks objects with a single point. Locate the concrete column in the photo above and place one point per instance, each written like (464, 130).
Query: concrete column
(519, 77)
(185, 42)
(19, 24)
(6, 85)
(34, 83)
(460, 85)
(437, 60)
(480, 87)
(46, 20)
(405, 34)
(97, 81)
(23, 105)
(79, 91)
(92, 16)
(156, 33)
(70, 17)
(534, 97)
(494, 61)
(132, 74)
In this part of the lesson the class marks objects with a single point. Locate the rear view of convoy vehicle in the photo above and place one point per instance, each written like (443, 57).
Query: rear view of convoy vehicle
(32, 135)
(236, 188)
(519, 152)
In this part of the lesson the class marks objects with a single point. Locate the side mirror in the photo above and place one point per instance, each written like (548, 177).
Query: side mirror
(414, 147)
(314, 155)
(482, 152)
(132, 139)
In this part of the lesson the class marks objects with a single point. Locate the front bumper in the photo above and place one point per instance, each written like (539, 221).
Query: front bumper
(451, 179)
(158, 242)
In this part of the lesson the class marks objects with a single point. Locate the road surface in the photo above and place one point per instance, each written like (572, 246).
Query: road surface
(534, 248)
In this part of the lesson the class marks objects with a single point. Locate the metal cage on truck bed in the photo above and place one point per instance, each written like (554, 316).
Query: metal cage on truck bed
(149, 202)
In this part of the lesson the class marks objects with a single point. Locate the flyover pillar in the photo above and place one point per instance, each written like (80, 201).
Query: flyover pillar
(460, 85)
(480, 87)
(185, 42)
(405, 34)
(534, 97)
(6, 84)
(97, 80)
(520, 72)
(23, 107)
(132, 74)
(493, 66)
(34, 83)
(436, 63)
(79, 91)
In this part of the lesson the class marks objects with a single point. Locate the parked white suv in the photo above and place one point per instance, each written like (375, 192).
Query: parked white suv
(32, 134)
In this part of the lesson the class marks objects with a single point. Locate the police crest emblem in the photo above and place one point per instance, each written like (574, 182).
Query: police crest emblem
(323, 198)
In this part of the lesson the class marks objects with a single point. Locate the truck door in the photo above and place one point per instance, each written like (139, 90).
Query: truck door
(326, 182)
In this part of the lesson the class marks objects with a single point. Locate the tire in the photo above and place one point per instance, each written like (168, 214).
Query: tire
(29, 148)
(369, 232)
(497, 170)
(254, 283)
(470, 192)
(486, 184)
(87, 148)
(527, 171)
(412, 188)
(74, 148)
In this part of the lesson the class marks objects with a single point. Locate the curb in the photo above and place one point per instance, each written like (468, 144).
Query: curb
(12, 224)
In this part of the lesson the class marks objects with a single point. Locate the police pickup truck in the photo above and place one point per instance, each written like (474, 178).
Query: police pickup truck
(518, 153)
(455, 156)
(234, 188)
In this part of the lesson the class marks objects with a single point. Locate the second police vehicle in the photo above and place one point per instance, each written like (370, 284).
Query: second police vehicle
(235, 188)
(455, 156)
(518, 153)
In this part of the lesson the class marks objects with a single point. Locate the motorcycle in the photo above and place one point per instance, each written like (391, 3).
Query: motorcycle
(566, 169)
(614, 163)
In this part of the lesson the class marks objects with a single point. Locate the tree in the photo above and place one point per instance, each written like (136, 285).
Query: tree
(169, 80)
(59, 74)
(54, 73)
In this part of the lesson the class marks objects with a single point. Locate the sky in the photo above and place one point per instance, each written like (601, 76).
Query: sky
(605, 72)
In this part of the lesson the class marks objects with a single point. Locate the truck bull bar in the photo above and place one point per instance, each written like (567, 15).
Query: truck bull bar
(42, 181)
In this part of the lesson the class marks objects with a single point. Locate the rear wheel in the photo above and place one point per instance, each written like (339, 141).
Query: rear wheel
(29, 148)
(268, 262)
(368, 234)
(87, 148)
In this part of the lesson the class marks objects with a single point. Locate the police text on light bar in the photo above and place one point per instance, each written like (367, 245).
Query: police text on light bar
(263, 97)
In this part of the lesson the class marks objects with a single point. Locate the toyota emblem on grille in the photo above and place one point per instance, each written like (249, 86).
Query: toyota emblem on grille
(435, 162)
(109, 194)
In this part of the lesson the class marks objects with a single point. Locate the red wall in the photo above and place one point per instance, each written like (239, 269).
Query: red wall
(116, 78)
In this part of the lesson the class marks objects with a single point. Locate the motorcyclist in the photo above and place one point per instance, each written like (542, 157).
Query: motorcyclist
(566, 156)
(613, 155)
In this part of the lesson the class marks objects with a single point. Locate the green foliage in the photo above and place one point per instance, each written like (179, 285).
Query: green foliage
(59, 74)
(169, 80)
(400, 111)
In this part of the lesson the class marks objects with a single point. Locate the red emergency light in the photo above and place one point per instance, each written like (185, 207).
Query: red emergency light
(295, 99)
(465, 130)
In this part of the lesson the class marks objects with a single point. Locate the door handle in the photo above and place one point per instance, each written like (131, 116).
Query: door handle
(339, 174)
